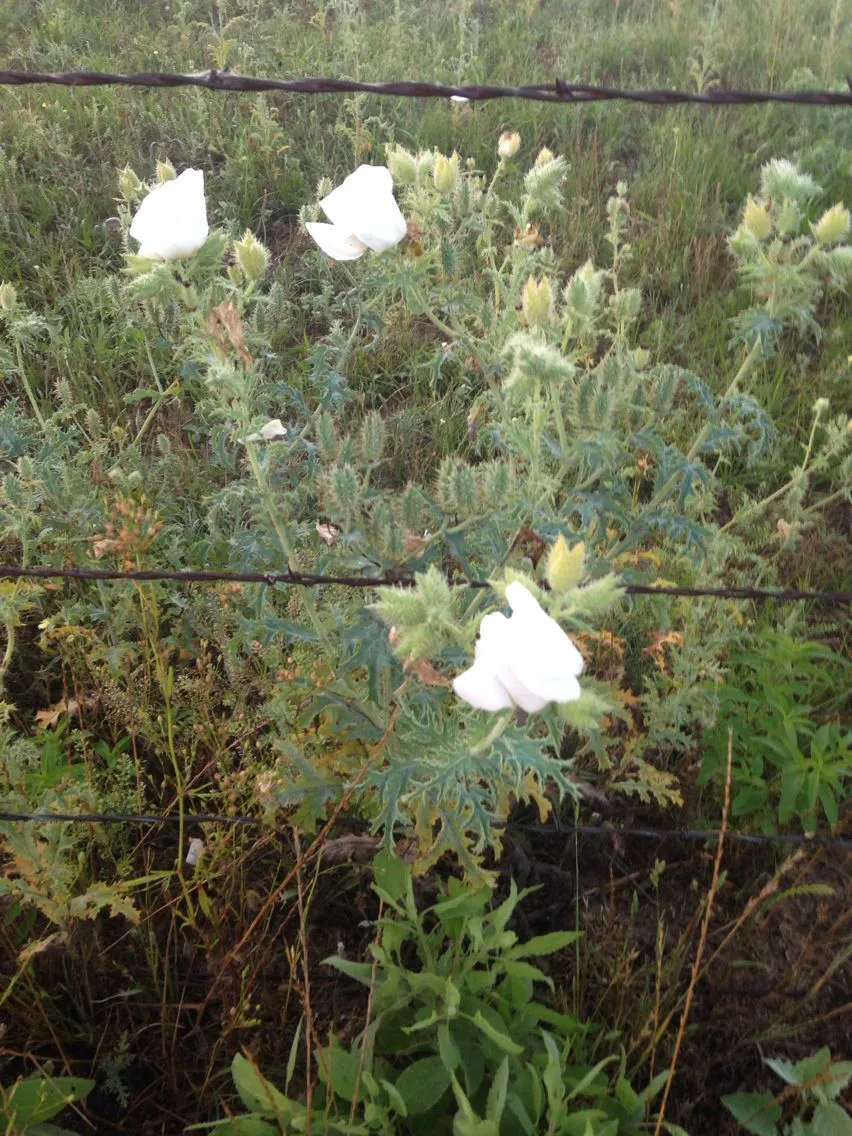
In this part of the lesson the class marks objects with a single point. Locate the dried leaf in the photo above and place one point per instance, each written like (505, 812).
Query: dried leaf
(225, 328)
(50, 716)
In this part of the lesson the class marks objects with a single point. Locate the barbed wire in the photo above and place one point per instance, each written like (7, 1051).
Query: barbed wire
(560, 91)
(594, 830)
(311, 579)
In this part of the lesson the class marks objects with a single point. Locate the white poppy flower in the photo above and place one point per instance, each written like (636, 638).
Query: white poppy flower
(273, 429)
(171, 221)
(196, 850)
(525, 660)
(363, 214)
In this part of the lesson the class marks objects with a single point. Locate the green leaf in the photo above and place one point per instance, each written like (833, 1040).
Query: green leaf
(497, 1036)
(38, 1098)
(338, 1070)
(246, 1126)
(756, 1112)
(360, 971)
(496, 1102)
(525, 970)
(830, 1119)
(544, 944)
(423, 1084)
(257, 1094)
(391, 874)
(447, 1048)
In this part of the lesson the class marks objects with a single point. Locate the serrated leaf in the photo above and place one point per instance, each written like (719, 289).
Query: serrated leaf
(544, 944)
(756, 1112)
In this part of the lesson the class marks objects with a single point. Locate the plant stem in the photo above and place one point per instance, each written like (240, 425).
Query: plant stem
(25, 382)
(262, 483)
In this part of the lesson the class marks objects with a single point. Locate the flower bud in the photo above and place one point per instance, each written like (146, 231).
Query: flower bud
(537, 302)
(820, 407)
(129, 185)
(251, 256)
(833, 225)
(509, 144)
(165, 171)
(641, 358)
(445, 173)
(545, 156)
(402, 165)
(757, 219)
(8, 296)
(565, 565)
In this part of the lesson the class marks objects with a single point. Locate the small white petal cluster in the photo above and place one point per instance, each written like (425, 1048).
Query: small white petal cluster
(525, 660)
(363, 214)
(273, 429)
(171, 221)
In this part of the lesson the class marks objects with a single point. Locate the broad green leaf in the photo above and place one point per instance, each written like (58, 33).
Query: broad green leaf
(257, 1094)
(518, 969)
(391, 874)
(360, 971)
(756, 1112)
(38, 1098)
(496, 1102)
(496, 1035)
(830, 1119)
(544, 944)
(338, 1070)
(447, 1048)
(423, 1084)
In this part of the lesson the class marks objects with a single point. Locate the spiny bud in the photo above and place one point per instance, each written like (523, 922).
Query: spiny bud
(757, 219)
(165, 171)
(565, 565)
(129, 185)
(789, 219)
(537, 302)
(820, 407)
(545, 156)
(94, 426)
(509, 144)
(402, 165)
(8, 297)
(833, 225)
(626, 305)
(251, 256)
(641, 358)
(411, 508)
(372, 440)
(494, 484)
(445, 173)
(343, 490)
(324, 187)
(327, 442)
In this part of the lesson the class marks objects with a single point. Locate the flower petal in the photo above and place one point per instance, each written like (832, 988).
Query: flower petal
(542, 658)
(335, 242)
(364, 205)
(480, 688)
(171, 221)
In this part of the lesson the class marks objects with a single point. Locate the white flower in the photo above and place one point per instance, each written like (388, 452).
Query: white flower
(172, 220)
(273, 429)
(526, 660)
(363, 214)
(196, 850)
(459, 99)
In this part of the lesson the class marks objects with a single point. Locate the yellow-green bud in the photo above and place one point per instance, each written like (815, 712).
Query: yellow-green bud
(565, 565)
(402, 165)
(641, 358)
(445, 173)
(537, 302)
(129, 185)
(8, 296)
(165, 171)
(757, 220)
(833, 225)
(544, 156)
(251, 256)
(509, 144)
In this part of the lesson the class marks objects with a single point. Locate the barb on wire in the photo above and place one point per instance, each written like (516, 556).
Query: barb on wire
(560, 91)
(311, 579)
(594, 830)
